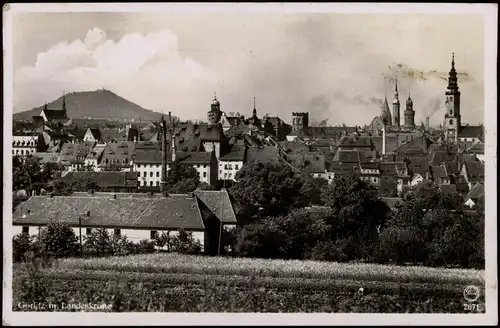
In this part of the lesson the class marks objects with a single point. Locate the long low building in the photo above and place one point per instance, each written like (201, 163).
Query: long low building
(138, 216)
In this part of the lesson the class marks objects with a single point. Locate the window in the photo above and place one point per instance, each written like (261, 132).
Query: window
(150, 183)
(225, 166)
(26, 230)
(17, 151)
(157, 174)
(157, 183)
(145, 174)
(117, 233)
(451, 122)
(154, 234)
(220, 171)
(150, 174)
(22, 152)
(204, 174)
(204, 165)
(12, 152)
(236, 166)
(451, 112)
(89, 231)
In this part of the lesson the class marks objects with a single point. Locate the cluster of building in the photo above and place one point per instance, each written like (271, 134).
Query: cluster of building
(386, 153)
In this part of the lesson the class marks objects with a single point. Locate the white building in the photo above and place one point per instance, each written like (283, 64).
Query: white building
(26, 144)
(138, 216)
(232, 162)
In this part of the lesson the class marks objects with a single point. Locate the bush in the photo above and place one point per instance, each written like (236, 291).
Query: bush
(58, 240)
(21, 244)
(185, 243)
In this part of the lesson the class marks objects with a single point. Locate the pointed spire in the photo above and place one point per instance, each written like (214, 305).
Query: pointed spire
(64, 101)
(452, 79)
(396, 93)
(254, 109)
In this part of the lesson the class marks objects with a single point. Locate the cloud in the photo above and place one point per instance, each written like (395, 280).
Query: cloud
(141, 68)
(337, 67)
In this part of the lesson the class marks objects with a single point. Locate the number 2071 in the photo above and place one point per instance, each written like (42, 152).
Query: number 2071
(473, 307)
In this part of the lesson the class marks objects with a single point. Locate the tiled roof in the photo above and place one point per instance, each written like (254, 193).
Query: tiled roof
(266, 154)
(294, 146)
(439, 156)
(172, 212)
(420, 143)
(471, 132)
(476, 149)
(418, 165)
(358, 142)
(342, 168)
(74, 152)
(236, 153)
(369, 166)
(96, 152)
(118, 154)
(391, 143)
(477, 192)
(219, 203)
(154, 156)
(475, 171)
(117, 194)
(108, 178)
(315, 163)
(55, 114)
(111, 135)
(46, 157)
(439, 171)
(347, 156)
(392, 169)
(448, 189)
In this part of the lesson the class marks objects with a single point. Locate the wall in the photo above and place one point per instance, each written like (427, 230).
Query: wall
(134, 235)
(228, 169)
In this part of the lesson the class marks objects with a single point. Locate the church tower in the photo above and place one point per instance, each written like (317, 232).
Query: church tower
(395, 106)
(409, 114)
(214, 115)
(385, 114)
(452, 118)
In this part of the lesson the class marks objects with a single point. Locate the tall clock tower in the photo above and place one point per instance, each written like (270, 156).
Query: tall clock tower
(452, 118)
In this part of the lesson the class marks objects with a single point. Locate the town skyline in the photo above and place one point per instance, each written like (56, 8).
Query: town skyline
(182, 65)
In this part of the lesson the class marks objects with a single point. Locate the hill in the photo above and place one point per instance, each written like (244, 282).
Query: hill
(98, 104)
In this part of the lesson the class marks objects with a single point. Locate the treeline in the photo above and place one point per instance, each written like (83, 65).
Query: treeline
(427, 227)
(58, 240)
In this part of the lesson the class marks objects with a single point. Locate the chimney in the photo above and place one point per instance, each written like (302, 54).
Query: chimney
(427, 123)
(383, 140)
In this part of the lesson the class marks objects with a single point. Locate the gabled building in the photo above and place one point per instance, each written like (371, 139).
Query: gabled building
(72, 155)
(473, 172)
(92, 134)
(231, 162)
(475, 196)
(27, 144)
(117, 156)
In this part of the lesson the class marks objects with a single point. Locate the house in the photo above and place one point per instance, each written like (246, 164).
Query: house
(475, 195)
(232, 162)
(94, 157)
(72, 155)
(92, 134)
(109, 180)
(148, 164)
(27, 144)
(440, 175)
(397, 171)
(138, 216)
(370, 172)
(54, 115)
(117, 156)
(478, 150)
(47, 158)
(470, 134)
(473, 172)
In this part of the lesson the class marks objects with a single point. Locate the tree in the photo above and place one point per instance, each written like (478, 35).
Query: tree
(67, 185)
(21, 244)
(29, 174)
(311, 190)
(291, 236)
(182, 178)
(388, 187)
(58, 240)
(185, 243)
(273, 188)
(206, 186)
(357, 213)
(98, 242)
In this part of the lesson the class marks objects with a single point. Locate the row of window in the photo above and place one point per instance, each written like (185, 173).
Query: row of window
(371, 179)
(116, 232)
(159, 165)
(23, 143)
(230, 167)
(22, 152)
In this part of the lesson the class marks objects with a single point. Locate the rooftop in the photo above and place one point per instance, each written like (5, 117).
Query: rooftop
(173, 212)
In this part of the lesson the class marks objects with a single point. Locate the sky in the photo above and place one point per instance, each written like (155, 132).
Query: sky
(336, 66)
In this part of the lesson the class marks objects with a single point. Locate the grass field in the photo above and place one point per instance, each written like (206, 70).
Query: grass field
(171, 282)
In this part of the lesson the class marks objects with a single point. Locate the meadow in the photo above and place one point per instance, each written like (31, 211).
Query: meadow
(173, 282)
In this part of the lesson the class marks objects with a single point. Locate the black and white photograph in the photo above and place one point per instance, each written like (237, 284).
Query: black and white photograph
(249, 163)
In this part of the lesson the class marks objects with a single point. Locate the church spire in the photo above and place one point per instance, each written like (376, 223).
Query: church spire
(64, 101)
(254, 109)
(396, 93)
(452, 78)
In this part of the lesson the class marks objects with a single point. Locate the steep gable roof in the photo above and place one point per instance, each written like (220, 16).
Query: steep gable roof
(477, 192)
(471, 131)
(108, 179)
(475, 171)
(219, 203)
